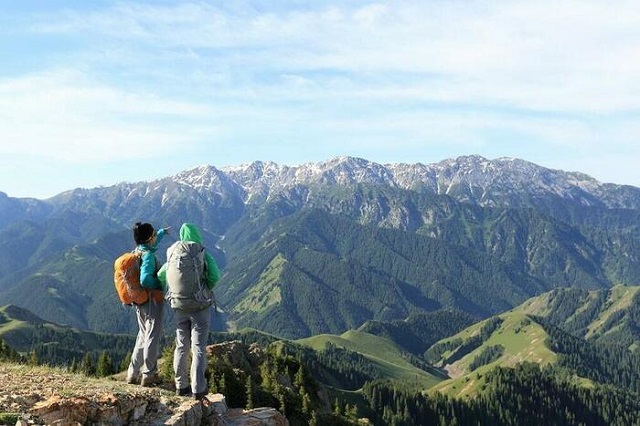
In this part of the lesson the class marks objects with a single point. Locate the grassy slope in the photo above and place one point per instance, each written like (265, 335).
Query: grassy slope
(18, 333)
(522, 340)
(620, 298)
(260, 298)
(383, 353)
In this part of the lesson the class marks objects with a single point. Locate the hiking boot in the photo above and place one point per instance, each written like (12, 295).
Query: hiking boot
(186, 391)
(151, 380)
(134, 380)
(201, 396)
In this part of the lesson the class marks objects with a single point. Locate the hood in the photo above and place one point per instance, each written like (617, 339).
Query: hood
(190, 232)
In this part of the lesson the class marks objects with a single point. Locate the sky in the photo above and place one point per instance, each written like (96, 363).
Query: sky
(94, 93)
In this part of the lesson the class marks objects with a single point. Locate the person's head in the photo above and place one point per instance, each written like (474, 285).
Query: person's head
(143, 233)
(190, 232)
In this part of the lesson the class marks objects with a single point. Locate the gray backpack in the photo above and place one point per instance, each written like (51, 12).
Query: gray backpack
(187, 290)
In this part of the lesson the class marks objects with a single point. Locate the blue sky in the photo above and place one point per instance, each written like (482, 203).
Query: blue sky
(100, 92)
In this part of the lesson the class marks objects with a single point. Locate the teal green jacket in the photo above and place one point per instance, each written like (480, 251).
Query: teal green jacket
(190, 232)
(149, 266)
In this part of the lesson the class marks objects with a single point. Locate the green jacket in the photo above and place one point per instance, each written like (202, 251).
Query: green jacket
(190, 232)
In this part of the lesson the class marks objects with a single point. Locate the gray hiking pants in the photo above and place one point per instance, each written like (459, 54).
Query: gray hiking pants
(192, 332)
(144, 359)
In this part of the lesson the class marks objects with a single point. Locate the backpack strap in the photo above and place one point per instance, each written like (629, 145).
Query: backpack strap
(141, 251)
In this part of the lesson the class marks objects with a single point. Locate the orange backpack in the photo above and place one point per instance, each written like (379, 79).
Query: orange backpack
(126, 278)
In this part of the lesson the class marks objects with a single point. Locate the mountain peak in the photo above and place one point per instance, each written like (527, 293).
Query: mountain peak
(345, 160)
(347, 170)
(203, 178)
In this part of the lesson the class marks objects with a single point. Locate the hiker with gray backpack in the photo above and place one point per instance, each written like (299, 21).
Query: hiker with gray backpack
(189, 275)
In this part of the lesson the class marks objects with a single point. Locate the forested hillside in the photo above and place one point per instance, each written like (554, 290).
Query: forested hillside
(604, 316)
(314, 273)
(43, 342)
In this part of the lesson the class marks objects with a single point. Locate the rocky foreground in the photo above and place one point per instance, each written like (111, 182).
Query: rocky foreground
(43, 395)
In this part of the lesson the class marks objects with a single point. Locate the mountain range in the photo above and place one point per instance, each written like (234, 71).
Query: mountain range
(326, 247)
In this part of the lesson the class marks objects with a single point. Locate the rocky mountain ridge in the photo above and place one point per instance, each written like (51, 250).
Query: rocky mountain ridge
(230, 190)
(468, 178)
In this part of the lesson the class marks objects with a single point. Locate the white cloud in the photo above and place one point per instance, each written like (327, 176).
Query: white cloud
(63, 115)
(461, 73)
(567, 56)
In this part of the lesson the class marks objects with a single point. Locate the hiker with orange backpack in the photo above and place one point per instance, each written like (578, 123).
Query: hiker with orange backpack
(144, 358)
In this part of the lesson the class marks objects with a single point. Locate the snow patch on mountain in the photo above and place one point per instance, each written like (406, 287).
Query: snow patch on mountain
(473, 178)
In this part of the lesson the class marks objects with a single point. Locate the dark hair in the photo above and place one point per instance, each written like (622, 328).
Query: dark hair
(142, 232)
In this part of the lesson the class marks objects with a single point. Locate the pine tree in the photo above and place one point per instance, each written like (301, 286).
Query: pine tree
(299, 378)
(103, 368)
(352, 412)
(314, 419)
(249, 387)
(4, 350)
(86, 366)
(283, 405)
(166, 369)
(337, 411)
(222, 385)
(33, 358)
(306, 404)
(124, 365)
(8, 353)
(266, 377)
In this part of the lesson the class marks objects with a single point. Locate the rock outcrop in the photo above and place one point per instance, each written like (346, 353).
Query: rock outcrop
(44, 396)
(112, 409)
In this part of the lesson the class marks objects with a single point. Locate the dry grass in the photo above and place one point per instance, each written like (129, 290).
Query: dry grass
(22, 386)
